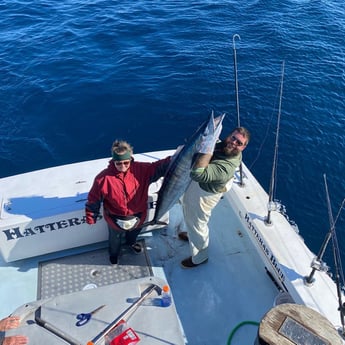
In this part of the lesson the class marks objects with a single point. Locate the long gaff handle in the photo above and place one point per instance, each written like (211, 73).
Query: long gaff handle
(54, 329)
(130, 309)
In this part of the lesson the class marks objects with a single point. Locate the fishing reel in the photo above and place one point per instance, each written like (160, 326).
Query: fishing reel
(274, 206)
(319, 265)
(316, 265)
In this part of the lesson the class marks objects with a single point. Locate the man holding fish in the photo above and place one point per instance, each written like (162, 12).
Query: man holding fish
(212, 174)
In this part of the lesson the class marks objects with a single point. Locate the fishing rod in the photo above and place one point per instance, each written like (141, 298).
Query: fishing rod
(271, 204)
(236, 79)
(317, 264)
(237, 98)
(337, 260)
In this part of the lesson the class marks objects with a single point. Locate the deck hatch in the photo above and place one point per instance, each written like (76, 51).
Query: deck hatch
(298, 334)
(88, 270)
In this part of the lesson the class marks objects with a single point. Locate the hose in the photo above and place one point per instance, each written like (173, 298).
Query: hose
(254, 323)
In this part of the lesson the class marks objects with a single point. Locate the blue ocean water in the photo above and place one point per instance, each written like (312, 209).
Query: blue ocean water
(75, 75)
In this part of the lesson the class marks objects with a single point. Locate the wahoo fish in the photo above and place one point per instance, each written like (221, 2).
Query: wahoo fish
(177, 177)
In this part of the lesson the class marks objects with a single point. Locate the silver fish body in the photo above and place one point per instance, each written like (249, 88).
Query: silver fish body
(177, 178)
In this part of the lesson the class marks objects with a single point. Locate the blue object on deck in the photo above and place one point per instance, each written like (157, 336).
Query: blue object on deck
(84, 318)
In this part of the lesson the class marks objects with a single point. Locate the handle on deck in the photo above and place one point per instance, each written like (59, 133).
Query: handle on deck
(130, 309)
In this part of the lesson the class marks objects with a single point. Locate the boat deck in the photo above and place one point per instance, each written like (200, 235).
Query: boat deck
(210, 299)
(231, 292)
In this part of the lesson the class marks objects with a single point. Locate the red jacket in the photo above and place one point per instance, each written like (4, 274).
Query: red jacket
(123, 194)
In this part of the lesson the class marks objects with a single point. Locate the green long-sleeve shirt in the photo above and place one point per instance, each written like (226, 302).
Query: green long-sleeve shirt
(218, 173)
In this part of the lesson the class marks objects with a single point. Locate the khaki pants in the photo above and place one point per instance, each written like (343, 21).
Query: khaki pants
(197, 208)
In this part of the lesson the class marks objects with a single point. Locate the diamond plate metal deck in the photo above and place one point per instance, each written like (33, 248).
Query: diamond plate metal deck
(89, 270)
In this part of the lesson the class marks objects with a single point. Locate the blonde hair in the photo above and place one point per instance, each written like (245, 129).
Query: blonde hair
(121, 148)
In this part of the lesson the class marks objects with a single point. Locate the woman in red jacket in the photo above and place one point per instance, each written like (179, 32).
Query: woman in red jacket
(123, 189)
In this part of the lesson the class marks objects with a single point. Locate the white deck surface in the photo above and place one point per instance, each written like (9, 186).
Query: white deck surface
(210, 300)
(214, 298)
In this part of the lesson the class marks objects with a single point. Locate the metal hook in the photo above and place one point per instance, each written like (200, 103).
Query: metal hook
(234, 37)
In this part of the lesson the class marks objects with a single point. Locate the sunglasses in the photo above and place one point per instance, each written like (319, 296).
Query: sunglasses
(119, 163)
(236, 141)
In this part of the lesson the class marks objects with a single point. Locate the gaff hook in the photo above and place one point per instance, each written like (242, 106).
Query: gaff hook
(233, 39)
